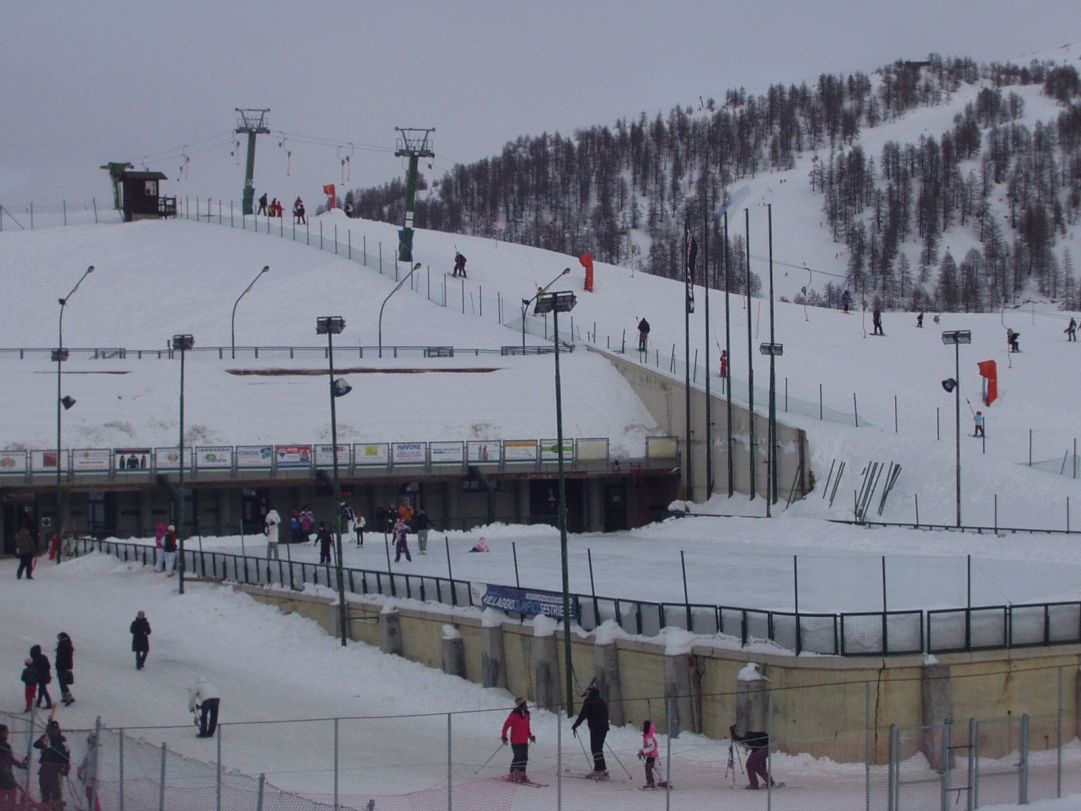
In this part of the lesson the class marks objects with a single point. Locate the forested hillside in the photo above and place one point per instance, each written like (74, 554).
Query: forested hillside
(1001, 186)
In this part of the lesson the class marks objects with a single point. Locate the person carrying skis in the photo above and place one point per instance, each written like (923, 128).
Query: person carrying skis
(643, 335)
(978, 424)
(55, 763)
(459, 265)
(8, 784)
(594, 713)
(203, 699)
(521, 735)
(649, 753)
(758, 744)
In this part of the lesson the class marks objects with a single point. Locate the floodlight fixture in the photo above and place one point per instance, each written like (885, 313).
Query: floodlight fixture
(67, 402)
(957, 336)
(183, 342)
(562, 301)
(775, 350)
(329, 325)
(341, 387)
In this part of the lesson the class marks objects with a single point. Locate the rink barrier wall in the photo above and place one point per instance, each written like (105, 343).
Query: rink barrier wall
(815, 705)
(851, 634)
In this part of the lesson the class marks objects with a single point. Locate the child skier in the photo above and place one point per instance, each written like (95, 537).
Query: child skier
(30, 684)
(649, 753)
(401, 542)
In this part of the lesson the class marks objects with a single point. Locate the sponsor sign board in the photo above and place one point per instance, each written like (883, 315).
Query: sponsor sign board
(525, 601)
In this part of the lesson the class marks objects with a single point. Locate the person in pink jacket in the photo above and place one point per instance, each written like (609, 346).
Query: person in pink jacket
(159, 547)
(521, 735)
(650, 754)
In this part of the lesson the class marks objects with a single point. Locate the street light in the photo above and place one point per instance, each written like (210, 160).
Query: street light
(397, 287)
(556, 303)
(182, 343)
(774, 350)
(330, 326)
(62, 404)
(956, 337)
(540, 292)
(232, 321)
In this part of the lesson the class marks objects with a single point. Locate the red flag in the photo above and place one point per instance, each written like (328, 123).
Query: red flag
(331, 192)
(586, 261)
(989, 370)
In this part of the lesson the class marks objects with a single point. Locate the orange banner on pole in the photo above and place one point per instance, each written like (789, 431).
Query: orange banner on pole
(331, 191)
(586, 261)
(989, 371)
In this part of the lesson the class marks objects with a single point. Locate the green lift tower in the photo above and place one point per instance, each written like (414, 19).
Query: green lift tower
(253, 122)
(115, 170)
(413, 144)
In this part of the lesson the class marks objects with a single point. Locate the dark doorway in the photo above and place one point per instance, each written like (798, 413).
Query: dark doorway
(544, 503)
(253, 508)
(615, 506)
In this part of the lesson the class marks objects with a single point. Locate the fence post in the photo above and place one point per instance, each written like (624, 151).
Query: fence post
(668, 756)
(161, 783)
(450, 761)
(891, 782)
(94, 200)
(1022, 791)
(947, 746)
(559, 765)
(971, 762)
(916, 499)
(64, 203)
(996, 513)
(1030, 447)
(855, 410)
(120, 775)
(259, 792)
(1058, 740)
(938, 427)
(218, 769)
(820, 402)
(895, 424)
(336, 739)
(868, 753)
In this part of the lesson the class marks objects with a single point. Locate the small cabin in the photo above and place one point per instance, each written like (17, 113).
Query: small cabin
(140, 198)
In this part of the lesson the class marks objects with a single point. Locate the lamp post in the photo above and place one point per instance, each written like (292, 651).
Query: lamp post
(540, 292)
(556, 303)
(956, 337)
(181, 343)
(232, 321)
(397, 287)
(62, 405)
(330, 326)
(774, 350)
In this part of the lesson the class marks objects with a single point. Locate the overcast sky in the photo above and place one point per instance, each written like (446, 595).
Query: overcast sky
(86, 83)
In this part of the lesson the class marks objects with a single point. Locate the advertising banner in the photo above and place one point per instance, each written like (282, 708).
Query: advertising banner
(550, 450)
(446, 453)
(248, 456)
(169, 458)
(134, 459)
(214, 457)
(482, 451)
(91, 460)
(408, 453)
(372, 453)
(293, 455)
(15, 462)
(525, 601)
(591, 450)
(324, 455)
(520, 450)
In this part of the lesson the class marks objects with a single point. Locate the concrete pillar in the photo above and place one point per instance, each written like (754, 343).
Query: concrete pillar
(677, 694)
(390, 632)
(936, 704)
(522, 506)
(546, 672)
(453, 652)
(606, 678)
(452, 519)
(332, 620)
(227, 522)
(594, 505)
(1077, 701)
(752, 699)
(493, 672)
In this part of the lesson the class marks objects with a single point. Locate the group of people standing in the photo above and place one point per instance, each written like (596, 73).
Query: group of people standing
(275, 209)
(37, 674)
(166, 545)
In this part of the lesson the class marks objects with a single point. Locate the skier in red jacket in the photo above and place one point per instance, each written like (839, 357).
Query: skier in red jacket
(521, 735)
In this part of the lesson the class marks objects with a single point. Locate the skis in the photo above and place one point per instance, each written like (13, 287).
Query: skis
(591, 776)
(661, 787)
(519, 782)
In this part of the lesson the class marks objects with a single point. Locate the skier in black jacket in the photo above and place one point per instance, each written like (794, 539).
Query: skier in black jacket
(594, 713)
(758, 744)
(45, 675)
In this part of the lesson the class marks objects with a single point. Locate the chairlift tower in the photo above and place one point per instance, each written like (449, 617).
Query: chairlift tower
(413, 144)
(253, 122)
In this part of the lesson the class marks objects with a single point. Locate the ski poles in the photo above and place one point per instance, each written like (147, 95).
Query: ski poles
(620, 762)
(489, 760)
(585, 754)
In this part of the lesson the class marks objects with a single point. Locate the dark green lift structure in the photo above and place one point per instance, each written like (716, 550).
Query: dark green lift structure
(115, 170)
(413, 144)
(253, 122)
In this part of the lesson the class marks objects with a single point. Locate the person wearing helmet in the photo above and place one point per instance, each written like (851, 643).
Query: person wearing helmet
(520, 734)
